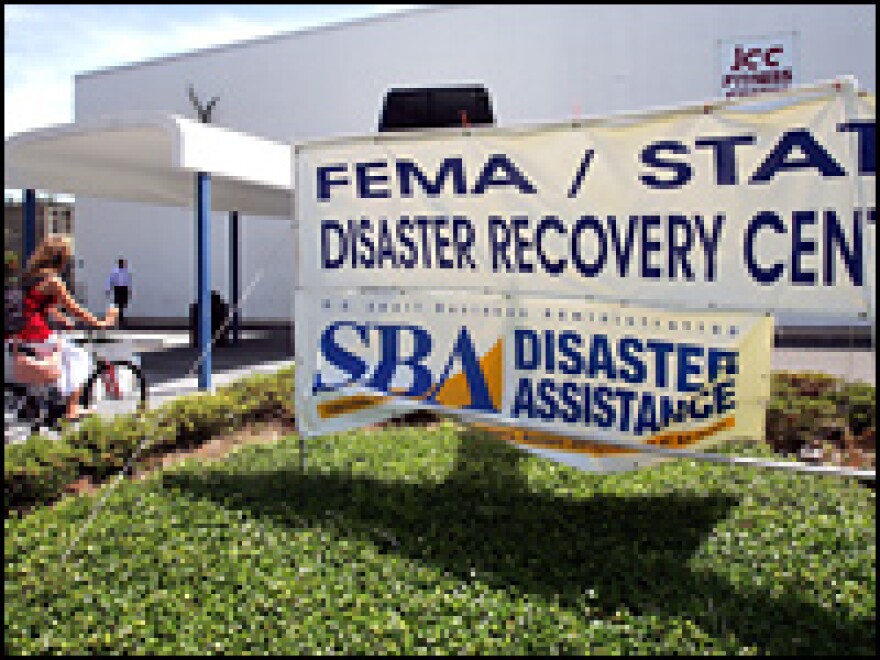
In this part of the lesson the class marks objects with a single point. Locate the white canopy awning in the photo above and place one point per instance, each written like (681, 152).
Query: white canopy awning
(153, 159)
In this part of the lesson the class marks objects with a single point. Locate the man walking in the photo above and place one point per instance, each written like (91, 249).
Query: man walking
(119, 283)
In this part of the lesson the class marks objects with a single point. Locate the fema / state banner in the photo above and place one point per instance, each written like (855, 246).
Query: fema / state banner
(597, 287)
(580, 376)
(764, 203)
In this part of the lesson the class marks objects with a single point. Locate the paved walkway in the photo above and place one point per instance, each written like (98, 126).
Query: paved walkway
(168, 361)
(170, 368)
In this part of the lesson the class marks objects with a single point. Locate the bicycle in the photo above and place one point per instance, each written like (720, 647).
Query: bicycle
(29, 409)
(115, 383)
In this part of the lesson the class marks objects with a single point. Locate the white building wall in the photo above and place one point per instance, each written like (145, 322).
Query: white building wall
(541, 63)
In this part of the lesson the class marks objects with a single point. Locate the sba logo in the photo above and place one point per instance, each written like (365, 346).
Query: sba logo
(403, 352)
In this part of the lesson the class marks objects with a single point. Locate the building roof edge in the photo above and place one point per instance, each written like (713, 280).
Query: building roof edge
(301, 32)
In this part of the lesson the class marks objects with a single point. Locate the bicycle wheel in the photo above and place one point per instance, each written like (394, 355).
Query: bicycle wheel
(21, 414)
(116, 388)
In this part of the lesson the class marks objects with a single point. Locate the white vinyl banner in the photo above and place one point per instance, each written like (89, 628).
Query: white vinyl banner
(587, 289)
(572, 378)
(764, 204)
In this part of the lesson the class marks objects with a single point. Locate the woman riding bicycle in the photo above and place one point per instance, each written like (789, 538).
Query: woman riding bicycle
(39, 355)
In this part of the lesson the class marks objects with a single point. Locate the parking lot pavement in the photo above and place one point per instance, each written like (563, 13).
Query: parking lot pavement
(855, 366)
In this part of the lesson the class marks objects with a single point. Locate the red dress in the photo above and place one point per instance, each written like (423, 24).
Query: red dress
(36, 328)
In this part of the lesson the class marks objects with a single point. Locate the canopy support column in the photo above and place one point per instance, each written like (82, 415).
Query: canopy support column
(203, 276)
(234, 274)
(29, 226)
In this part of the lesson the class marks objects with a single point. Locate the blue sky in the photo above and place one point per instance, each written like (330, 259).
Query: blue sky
(46, 45)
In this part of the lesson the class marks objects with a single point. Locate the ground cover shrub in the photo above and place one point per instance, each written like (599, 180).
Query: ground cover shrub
(442, 540)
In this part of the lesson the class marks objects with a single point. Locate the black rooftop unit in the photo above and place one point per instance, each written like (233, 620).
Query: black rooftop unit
(436, 107)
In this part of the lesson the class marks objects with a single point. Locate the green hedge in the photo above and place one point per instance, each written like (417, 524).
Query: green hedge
(801, 406)
(808, 407)
(37, 471)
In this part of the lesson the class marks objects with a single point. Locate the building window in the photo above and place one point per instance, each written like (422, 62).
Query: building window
(436, 107)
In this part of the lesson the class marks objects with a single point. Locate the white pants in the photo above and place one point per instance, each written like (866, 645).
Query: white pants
(76, 364)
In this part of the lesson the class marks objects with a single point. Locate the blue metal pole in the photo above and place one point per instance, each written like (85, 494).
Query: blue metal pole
(234, 274)
(203, 276)
(29, 225)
